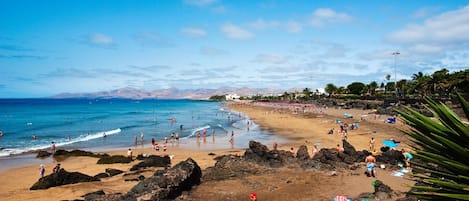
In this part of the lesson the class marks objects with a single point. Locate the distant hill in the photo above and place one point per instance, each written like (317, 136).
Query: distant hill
(170, 93)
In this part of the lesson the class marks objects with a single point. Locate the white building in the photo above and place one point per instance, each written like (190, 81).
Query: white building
(232, 97)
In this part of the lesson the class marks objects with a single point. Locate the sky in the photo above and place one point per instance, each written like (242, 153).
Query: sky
(50, 47)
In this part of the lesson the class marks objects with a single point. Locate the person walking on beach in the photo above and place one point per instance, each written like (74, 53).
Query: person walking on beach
(129, 153)
(42, 170)
(177, 138)
(372, 144)
(370, 161)
(52, 147)
(141, 137)
(135, 140)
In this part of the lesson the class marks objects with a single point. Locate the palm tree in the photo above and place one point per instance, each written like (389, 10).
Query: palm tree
(372, 87)
(442, 147)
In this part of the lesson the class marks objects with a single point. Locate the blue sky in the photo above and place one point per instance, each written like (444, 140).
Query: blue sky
(49, 47)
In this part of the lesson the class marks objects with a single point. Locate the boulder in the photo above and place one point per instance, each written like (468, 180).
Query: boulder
(229, 166)
(43, 154)
(391, 157)
(92, 195)
(114, 159)
(61, 178)
(260, 154)
(113, 172)
(382, 191)
(152, 161)
(302, 153)
(164, 186)
(101, 175)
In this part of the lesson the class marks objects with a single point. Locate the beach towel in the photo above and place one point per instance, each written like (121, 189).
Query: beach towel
(341, 198)
(390, 143)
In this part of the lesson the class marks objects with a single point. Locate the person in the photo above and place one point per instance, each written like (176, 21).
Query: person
(42, 170)
(34, 137)
(372, 143)
(339, 148)
(177, 138)
(56, 168)
(253, 196)
(315, 150)
(1, 133)
(165, 145)
(157, 146)
(171, 138)
(370, 161)
(407, 156)
(104, 135)
(331, 131)
(181, 127)
(275, 145)
(153, 142)
(141, 136)
(52, 147)
(129, 153)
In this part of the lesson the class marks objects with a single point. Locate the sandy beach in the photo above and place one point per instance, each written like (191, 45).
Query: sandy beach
(298, 127)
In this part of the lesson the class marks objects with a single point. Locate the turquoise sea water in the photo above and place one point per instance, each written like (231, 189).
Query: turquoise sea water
(82, 123)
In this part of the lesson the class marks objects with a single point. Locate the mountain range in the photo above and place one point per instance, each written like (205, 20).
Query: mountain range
(171, 93)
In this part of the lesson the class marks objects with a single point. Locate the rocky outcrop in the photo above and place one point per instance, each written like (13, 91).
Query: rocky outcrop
(229, 166)
(260, 154)
(65, 153)
(302, 153)
(164, 185)
(382, 191)
(43, 154)
(152, 161)
(61, 178)
(110, 172)
(114, 159)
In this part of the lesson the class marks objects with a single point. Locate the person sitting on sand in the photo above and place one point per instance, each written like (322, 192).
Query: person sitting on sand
(339, 148)
(370, 161)
(56, 168)
(331, 131)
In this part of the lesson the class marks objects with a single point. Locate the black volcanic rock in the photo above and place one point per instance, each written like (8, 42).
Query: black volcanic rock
(61, 178)
(152, 161)
(260, 154)
(113, 172)
(229, 166)
(164, 186)
(43, 154)
(114, 159)
(302, 153)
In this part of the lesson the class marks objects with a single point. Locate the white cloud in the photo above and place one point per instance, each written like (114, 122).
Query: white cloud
(100, 39)
(235, 32)
(194, 32)
(270, 58)
(200, 2)
(449, 27)
(321, 16)
(293, 27)
(261, 24)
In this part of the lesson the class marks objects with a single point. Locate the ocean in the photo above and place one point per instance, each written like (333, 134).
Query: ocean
(83, 123)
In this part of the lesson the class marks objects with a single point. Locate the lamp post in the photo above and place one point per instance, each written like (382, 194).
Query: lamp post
(395, 72)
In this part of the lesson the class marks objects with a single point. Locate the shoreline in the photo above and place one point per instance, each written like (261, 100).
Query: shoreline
(296, 128)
